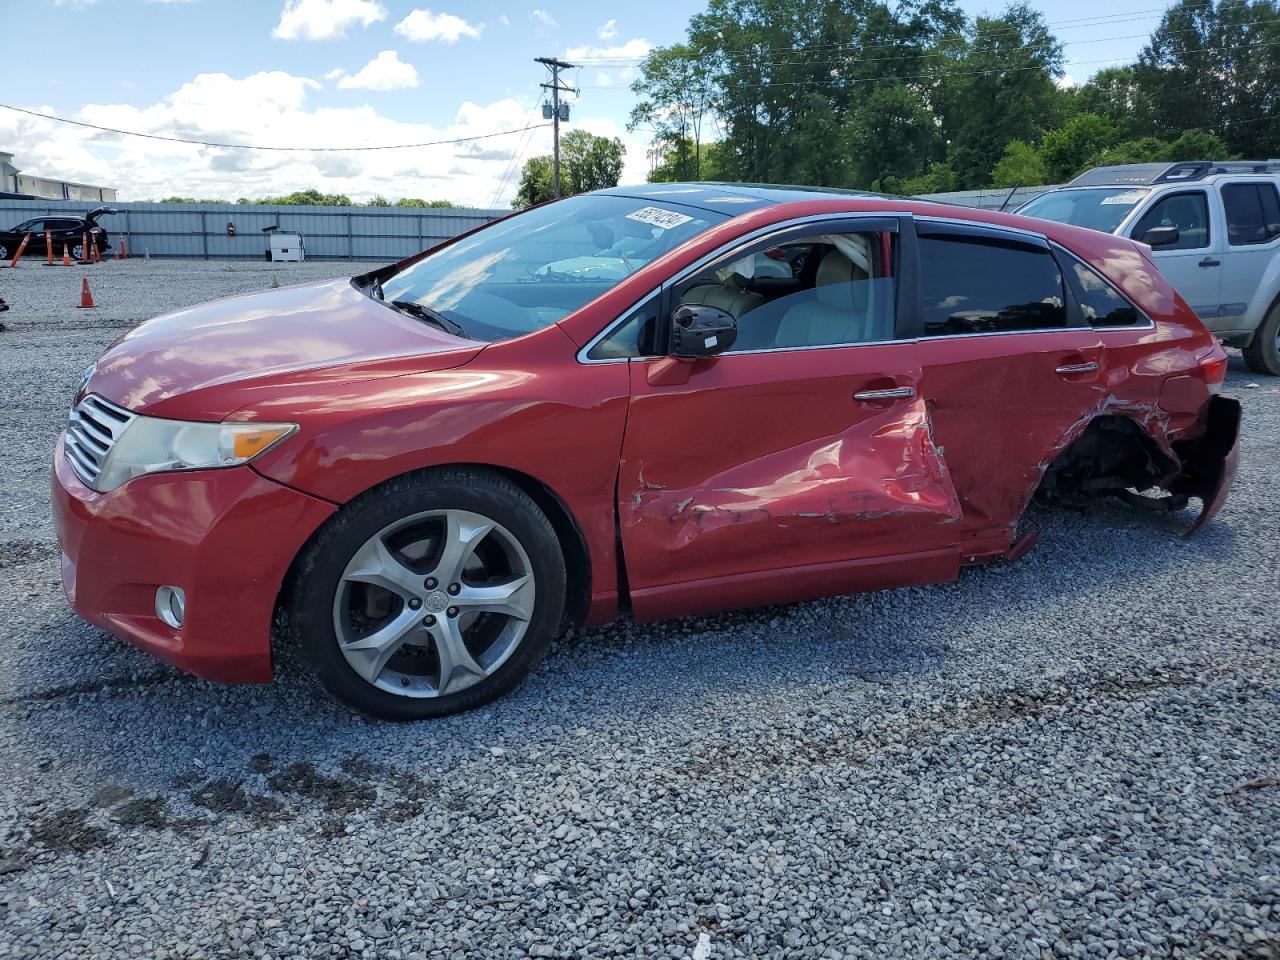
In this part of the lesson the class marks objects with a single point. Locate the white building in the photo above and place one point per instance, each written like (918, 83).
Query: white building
(12, 181)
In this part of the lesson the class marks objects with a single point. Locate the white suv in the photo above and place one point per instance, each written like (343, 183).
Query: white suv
(1214, 230)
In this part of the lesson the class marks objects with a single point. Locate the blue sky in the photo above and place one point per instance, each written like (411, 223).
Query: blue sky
(356, 72)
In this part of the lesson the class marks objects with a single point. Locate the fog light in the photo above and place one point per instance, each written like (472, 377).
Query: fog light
(171, 605)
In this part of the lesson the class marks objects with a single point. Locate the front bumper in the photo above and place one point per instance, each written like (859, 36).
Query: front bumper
(227, 537)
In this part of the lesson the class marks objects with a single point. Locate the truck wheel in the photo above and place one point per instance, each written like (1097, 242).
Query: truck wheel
(1263, 352)
(432, 594)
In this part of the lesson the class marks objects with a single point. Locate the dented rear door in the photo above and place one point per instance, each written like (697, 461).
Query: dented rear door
(774, 476)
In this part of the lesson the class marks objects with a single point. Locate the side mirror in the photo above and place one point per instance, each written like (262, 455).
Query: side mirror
(701, 331)
(1160, 236)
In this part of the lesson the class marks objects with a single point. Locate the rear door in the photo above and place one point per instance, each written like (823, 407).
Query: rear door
(800, 463)
(1194, 264)
(1251, 209)
(1006, 372)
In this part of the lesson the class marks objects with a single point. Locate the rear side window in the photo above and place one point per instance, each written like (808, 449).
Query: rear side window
(970, 285)
(1253, 213)
(1189, 212)
(1101, 304)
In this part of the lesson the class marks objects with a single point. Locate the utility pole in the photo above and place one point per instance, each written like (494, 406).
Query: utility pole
(558, 112)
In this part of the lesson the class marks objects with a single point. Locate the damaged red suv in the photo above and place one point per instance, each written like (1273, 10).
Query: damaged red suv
(665, 399)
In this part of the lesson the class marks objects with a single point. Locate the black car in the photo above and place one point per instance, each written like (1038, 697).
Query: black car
(67, 231)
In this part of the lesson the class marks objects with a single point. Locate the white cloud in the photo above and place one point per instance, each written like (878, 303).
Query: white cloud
(325, 19)
(608, 30)
(386, 71)
(275, 108)
(543, 19)
(1065, 82)
(635, 49)
(423, 25)
(504, 20)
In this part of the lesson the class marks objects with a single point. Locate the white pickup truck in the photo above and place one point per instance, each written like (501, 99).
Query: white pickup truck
(1214, 230)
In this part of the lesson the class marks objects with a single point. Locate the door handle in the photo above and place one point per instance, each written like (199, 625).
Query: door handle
(1067, 369)
(1210, 262)
(889, 393)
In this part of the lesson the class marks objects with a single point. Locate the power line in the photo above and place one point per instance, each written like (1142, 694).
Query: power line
(930, 54)
(937, 75)
(246, 146)
(1104, 20)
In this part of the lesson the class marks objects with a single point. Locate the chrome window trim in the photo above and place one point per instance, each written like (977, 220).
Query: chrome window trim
(1016, 233)
(716, 254)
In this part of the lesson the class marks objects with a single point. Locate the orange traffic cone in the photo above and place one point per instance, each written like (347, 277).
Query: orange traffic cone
(86, 298)
(66, 257)
(115, 253)
(124, 248)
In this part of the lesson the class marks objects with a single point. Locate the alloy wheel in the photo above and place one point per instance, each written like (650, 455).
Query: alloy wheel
(434, 603)
(77, 252)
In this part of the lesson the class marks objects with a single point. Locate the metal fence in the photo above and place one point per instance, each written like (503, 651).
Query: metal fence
(194, 230)
(994, 199)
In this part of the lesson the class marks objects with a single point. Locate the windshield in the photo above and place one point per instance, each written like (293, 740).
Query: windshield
(1098, 209)
(527, 272)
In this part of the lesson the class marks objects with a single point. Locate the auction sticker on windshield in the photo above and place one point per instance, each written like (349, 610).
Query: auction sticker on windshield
(1133, 196)
(657, 217)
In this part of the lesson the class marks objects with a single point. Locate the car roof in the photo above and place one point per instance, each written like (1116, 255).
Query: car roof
(732, 198)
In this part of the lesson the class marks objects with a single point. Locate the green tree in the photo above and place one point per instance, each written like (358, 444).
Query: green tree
(672, 160)
(587, 162)
(1000, 89)
(1142, 150)
(1019, 166)
(1199, 145)
(1216, 65)
(676, 94)
(1069, 149)
(310, 197)
(940, 178)
(417, 202)
(888, 138)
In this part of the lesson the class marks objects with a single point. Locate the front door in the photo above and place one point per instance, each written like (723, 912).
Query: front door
(1194, 264)
(798, 464)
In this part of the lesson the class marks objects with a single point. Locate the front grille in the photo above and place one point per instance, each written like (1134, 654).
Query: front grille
(92, 429)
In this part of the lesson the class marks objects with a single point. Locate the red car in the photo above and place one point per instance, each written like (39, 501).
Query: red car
(665, 400)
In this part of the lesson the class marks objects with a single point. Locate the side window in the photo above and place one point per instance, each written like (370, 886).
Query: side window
(31, 226)
(972, 285)
(1189, 212)
(1101, 304)
(634, 337)
(825, 289)
(1253, 213)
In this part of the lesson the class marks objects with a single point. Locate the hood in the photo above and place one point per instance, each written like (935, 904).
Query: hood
(204, 362)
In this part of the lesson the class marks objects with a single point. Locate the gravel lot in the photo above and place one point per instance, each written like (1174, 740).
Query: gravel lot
(1077, 755)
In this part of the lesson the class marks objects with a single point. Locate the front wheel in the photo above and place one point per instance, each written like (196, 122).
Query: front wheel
(1263, 353)
(430, 595)
(77, 252)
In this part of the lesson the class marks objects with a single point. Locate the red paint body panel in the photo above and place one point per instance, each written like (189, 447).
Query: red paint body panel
(733, 481)
(203, 362)
(226, 537)
(765, 463)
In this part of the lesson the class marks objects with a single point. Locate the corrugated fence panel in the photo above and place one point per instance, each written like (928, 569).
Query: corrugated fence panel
(994, 199)
(201, 230)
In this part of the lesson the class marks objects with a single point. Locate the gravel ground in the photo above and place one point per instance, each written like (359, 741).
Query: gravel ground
(1077, 755)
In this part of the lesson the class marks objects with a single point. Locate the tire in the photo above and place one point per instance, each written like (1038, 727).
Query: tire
(375, 627)
(1263, 352)
(77, 252)
(4, 252)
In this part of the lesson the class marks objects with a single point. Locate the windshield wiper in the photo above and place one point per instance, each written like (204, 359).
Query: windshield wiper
(429, 315)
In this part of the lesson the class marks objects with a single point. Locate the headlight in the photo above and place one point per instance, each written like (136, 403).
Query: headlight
(150, 445)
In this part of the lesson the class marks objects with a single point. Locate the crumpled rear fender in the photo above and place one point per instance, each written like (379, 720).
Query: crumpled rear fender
(1209, 461)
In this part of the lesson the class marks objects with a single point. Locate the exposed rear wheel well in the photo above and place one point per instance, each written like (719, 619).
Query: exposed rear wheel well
(1113, 454)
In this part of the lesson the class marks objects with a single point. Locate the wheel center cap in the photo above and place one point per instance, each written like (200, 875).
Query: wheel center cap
(436, 601)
